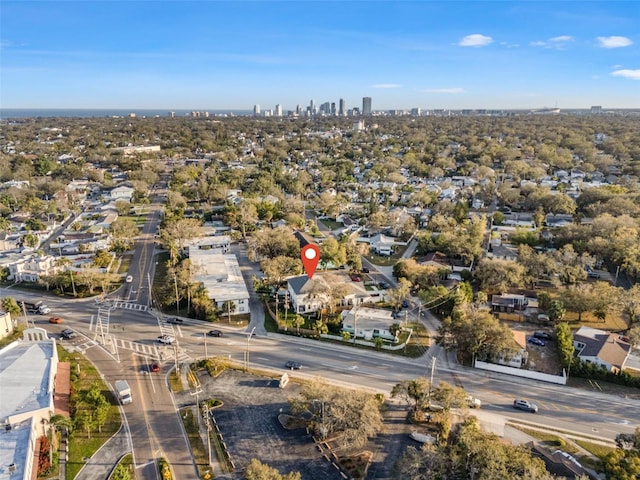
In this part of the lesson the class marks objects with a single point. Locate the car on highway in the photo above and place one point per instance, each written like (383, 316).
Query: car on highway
(166, 339)
(543, 335)
(535, 341)
(129, 279)
(214, 333)
(55, 320)
(67, 334)
(154, 367)
(525, 405)
(293, 365)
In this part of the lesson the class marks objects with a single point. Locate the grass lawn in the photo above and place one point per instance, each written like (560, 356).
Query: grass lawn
(81, 444)
(613, 321)
(386, 261)
(331, 225)
(127, 465)
(198, 448)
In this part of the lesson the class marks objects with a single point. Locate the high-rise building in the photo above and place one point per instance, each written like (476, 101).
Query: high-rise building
(312, 107)
(256, 109)
(366, 105)
(416, 112)
(333, 108)
(278, 110)
(342, 110)
(298, 109)
(596, 109)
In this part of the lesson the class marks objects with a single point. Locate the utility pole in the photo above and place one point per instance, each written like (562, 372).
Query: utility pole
(246, 354)
(433, 369)
(205, 344)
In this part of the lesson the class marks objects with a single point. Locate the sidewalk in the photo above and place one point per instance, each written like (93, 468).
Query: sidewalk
(104, 460)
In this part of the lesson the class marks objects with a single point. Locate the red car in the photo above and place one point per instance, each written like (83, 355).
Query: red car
(155, 367)
(55, 320)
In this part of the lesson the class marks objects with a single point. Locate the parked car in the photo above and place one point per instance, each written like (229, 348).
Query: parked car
(383, 285)
(67, 334)
(365, 270)
(525, 405)
(593, 275)
(166, 339)
(55, 320)
(406, 304)
(473, 402)
(356, 278)
(293, 365)
(543, 335)
(422, 437)
(535, 341)
(214, 333)
(154, 367)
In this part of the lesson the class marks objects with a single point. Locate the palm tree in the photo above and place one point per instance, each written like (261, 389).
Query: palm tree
(65, 262)
(229, 306)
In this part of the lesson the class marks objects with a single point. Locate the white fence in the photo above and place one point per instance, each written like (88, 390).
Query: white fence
(545, 377)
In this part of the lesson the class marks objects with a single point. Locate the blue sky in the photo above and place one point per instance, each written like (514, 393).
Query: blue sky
(234, 54)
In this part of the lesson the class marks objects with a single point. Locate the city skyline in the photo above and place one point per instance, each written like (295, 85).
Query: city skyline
(403, 55)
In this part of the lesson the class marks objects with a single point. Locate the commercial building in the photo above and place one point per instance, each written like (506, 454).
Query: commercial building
(27, 379)
(366, 105)
(219, 273)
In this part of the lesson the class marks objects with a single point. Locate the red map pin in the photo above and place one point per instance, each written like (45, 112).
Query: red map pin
(310, 255)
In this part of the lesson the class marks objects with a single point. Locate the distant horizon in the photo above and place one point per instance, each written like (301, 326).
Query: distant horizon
(506, 55)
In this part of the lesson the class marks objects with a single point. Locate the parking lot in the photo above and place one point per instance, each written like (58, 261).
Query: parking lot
(248, 421)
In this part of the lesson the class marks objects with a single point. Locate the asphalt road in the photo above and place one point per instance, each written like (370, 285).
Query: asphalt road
(585, 412)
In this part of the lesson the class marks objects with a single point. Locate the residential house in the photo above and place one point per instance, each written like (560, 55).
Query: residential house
(29, 268)
(602, 348)
(509, 302)
(308, 295)
(381, 244)
(368, 323)
(558, 220)
(6, 324)
(503, 252)
(122, 192)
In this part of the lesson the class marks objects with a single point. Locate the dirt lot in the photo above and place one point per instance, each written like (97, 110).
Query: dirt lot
(248, 422)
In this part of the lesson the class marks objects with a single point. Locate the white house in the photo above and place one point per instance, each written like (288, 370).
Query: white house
(368, 323)
(307, 295)
(602, 348)
(121, 193)
(6, 325)
(29, 268)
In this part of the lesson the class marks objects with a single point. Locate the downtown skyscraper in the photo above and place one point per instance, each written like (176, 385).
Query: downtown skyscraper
(366, 105)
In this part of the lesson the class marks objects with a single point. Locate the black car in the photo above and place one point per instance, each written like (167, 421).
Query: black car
(543, 335)
(214, 333)
(292, 365)
(365, 270)
(175, 320)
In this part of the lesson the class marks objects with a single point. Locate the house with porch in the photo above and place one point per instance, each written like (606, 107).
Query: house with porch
(368, 323)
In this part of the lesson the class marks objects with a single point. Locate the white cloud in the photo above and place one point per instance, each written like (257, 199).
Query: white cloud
(386, 85)
(614, 42)
(475, 40)
(562, 38)
(558, 42)
(632, 74)
(444, 90)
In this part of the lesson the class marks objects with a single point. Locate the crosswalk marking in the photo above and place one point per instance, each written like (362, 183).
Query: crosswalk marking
(130, 306)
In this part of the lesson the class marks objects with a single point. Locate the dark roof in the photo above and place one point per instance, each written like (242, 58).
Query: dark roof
(303, 285)
(303, 238)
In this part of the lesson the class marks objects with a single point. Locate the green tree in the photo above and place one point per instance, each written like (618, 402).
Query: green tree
(10, 305)
(257, 470)
(556, 311)
(449, 396)
(415, 392)
(564, 339)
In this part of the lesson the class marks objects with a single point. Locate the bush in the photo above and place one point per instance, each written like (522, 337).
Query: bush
(598, 372)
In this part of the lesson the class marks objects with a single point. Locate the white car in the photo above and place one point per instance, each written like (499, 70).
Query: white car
(166, 339)
(129, 279)
(422, 437)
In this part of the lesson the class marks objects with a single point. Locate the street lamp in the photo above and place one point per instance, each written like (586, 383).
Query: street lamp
(246, 354)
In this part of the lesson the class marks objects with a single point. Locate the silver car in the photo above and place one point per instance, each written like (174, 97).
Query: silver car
(525, 405)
